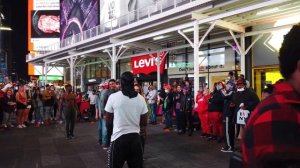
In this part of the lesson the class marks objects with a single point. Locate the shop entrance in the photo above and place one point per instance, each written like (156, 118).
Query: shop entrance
(265, 76)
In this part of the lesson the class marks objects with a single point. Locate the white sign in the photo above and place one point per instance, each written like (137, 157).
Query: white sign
(144, 63)
(46, 5)
(53, 71)
(42, 44)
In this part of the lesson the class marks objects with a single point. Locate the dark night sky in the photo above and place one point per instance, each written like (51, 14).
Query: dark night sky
(15, 12)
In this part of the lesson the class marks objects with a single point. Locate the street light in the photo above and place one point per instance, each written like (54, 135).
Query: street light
(2, 51)
(3, 28)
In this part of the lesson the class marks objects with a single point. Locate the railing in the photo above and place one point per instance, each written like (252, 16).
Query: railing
(132, 17)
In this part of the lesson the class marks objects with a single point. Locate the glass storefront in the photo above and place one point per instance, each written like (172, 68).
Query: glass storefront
(214, 65)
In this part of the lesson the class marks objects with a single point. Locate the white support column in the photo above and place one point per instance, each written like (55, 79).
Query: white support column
(71, 62)
(196, 45)
(65, 74)
(114, 63)
(43, 74)
(242, 51)
(82, 68)
(72, 72)
(196, 58)
(158, 62)
(46, 73)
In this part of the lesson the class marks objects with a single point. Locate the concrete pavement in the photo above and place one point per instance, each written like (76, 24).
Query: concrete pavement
(47, 147)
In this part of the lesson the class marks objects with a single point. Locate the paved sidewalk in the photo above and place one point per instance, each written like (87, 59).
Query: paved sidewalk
(47, 147)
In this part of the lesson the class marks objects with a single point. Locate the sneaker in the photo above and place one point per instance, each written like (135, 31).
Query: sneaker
(72, 136)
(37, 125)
(105, 147)
(23, 125)
(32, 121)
(226, 149)
(4, 125)
(19, 126)
(211, 138)
(11, 126)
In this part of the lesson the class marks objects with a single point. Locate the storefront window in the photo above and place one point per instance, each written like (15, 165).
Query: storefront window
(88, 71)
(265, 76)
(125, 66)
(177, 61)
(93, 69)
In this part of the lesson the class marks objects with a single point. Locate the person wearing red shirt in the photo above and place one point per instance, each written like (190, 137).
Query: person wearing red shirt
(202, 110)
(272, 134)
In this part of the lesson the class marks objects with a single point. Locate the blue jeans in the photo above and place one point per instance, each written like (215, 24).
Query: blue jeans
(153, 108)
(102, 131)
(39, 112)
(168, 118)
(47, 112)
(178, 119)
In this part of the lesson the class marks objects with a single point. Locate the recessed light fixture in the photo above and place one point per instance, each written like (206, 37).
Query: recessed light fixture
(188, 30)
(267, 11)
(192, 29)
(159, 37)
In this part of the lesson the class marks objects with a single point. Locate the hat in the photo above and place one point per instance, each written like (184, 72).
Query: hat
(167, 87)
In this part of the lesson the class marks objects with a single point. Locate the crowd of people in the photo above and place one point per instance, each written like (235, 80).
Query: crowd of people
(214, 112)
(123, 109)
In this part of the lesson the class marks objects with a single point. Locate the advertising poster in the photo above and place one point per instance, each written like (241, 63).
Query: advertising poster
(43, 28)
(45, 24)
(77, 16)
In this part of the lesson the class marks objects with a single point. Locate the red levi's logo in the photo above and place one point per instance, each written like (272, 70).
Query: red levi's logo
(146, 64)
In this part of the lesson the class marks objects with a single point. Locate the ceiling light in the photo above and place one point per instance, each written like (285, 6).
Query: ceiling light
(267, 11)
(188, 30)
(192, 29)
(5, 28)
(159, 37)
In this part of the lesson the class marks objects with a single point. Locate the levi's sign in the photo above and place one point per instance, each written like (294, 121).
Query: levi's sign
(146, 64)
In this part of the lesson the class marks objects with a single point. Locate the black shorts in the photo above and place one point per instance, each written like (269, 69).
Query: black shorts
(21, 106)
(128, 148)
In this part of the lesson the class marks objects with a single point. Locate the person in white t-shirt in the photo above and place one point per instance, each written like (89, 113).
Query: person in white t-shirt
(126, 113)
(92, 110)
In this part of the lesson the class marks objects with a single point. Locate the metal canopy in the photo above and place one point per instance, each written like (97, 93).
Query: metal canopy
(230, 15)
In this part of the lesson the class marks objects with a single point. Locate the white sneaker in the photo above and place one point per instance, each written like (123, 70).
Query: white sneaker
(19, 126)
(23, 125)
(4, 125)
(32, 121)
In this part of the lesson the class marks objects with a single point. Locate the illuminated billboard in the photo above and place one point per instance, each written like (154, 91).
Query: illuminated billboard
(77, 16)
(45, 24)
(43, 29)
